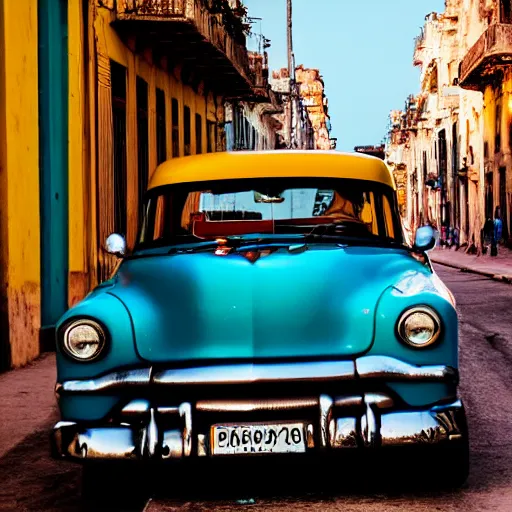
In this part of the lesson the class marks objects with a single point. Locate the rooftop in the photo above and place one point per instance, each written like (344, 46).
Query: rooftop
(272, 164)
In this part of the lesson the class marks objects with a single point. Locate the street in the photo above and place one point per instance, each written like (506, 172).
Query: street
(33, 482)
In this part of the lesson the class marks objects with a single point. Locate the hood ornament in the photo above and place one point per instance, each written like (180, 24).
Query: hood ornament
(222, 248)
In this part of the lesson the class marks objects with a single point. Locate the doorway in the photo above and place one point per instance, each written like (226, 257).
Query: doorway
(489, 199)
(503, 202)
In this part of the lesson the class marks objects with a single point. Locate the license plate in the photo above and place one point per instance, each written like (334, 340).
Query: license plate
(256, 438)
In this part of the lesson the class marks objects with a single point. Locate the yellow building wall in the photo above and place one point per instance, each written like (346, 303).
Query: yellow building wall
(19, 181)
(78, 157)
(89, 108)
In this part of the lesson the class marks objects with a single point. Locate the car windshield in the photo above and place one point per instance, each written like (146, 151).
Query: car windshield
(192, 212)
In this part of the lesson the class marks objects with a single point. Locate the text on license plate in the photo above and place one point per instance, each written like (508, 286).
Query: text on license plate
(255, 438)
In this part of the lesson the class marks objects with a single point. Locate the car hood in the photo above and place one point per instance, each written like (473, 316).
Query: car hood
(201, 306)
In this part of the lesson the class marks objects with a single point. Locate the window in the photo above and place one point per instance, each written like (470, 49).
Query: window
(199, 134)
(142, 139)
(211, 134)
(186, 127)
(175, 128)
(190, 212)
(388, 218)
(497, 124)
(506, 11)
(161, 135)
(247, 134)
(118, 81)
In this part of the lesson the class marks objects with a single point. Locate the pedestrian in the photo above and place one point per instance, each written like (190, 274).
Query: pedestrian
(497, 231)
(487, 235)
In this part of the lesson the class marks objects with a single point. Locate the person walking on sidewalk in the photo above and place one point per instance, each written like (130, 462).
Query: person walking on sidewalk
(497, 231)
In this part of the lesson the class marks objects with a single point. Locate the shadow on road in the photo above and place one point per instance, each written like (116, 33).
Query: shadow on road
(31, 481)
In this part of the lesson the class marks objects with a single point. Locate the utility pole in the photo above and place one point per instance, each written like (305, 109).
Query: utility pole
(291, 70)
(289, 36)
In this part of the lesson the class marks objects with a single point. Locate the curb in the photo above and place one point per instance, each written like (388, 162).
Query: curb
(495, 277)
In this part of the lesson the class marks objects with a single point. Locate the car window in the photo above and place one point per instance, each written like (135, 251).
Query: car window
(388, 217)
(187, 212)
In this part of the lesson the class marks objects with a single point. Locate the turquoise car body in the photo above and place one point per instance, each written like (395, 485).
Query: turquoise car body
(324, 315)
(352, 313)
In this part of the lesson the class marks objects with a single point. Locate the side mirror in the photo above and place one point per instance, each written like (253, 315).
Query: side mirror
(425, 239)
(116, 245)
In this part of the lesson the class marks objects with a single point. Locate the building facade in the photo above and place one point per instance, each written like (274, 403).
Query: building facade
(486, 70)
(438, 140)
(312, 93)
(94, 94)
(249, 121)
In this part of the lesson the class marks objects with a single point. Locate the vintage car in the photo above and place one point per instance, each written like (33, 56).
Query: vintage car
(269, 307)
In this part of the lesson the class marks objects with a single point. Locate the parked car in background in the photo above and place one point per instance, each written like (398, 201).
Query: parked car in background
(270, 307)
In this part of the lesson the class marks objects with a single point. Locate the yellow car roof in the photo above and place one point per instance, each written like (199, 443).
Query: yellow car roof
(272, 164)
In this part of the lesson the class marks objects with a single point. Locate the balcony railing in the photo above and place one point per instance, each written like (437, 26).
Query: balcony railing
(493, 48)
(175, 24)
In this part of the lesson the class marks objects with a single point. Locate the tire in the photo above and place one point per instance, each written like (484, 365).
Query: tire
(457, 467)
(108, 486)
(450, 463)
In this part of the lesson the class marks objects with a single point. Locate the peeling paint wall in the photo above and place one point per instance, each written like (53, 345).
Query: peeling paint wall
(438, 137)
(20, 314)
(311, 90)
(304, 118)
(95, 46)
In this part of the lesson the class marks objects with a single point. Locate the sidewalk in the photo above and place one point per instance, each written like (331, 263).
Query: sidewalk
(27, 401)
(498, 267)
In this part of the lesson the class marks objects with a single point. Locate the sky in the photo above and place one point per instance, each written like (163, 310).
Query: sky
(363, 49)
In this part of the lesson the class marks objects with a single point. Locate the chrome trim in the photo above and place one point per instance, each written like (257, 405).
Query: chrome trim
(384, 367)
(369, 426)
(185, 411)
(253, 373)
(168, 410)
(201, 445)
(379, 400)
(419, 309)
(140, 377)
(105, 443)
(348, 401)
(172, 445)
(366, 367)
(135, 408)
(151, 435)
(310, 436)
(404, 428)
(325, 406)
(345, 433)
(255, 405)
(374, 425)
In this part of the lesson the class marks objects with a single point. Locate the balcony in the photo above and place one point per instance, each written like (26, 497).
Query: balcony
(206, 38)
(492, 50)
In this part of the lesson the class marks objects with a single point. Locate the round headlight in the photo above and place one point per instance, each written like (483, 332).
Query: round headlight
(84, 340)
(419, 327)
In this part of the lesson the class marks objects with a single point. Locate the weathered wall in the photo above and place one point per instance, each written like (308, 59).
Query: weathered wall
(19, 184)
(155, 71)
(443, 110)
(311, 89)
(79, 279)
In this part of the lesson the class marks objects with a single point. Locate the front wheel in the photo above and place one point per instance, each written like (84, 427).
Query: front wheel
(451, 469)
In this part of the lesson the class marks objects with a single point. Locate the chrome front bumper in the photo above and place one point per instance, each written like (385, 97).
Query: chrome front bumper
(145, 430)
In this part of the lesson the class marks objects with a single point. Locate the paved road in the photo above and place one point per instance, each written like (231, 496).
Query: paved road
(29, 481)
